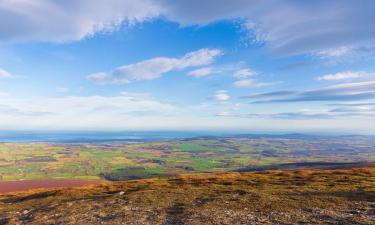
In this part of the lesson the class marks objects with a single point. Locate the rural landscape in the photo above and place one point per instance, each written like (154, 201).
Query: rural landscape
(260, 179)
(187, 112)
(124, 161)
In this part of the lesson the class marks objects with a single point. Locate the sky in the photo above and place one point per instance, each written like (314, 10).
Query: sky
(240, 65)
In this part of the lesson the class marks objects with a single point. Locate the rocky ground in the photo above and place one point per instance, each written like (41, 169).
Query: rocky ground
(345, 196)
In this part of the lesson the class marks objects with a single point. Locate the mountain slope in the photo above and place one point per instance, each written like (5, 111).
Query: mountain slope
(344, 196)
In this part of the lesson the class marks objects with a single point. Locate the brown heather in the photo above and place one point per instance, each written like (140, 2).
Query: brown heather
(308, 196)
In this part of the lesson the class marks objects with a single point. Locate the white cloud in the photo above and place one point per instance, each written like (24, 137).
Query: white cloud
(5, 74)
(345, 75)
(287, 27)
(58, 21)
(81, 106)
(201, 72)
(347, 53)
(156, 67)
(140, 111)
(341, 92)
(221, 95)
(201, 57)
(244, 73)
(243, 83)
(335, 52)
(125, 111)
(357, 87)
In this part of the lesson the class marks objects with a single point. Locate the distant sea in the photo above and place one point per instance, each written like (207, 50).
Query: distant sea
(135, 136)
(91, 137)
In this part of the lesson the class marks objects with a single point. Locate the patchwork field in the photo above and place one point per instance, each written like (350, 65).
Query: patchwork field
(123, 161)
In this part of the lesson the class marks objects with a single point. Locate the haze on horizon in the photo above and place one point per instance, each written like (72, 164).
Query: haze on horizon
(187, 65)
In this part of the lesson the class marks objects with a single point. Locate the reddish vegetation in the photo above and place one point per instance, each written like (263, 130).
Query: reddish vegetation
(24, 185)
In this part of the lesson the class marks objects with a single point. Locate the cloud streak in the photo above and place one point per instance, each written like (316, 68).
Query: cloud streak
(345, 75)
(307, 114)
(269, 94)
(342, 92)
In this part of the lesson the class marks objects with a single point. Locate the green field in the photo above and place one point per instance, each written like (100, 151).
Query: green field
(121, 161)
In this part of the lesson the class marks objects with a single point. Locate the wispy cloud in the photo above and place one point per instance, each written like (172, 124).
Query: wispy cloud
(224, 114)
(283, 115)
(246, 78)
(267, 84)
(306, 114)
(353, 104)
(84, 105)
(154, 68)
(9, 110)
(288, 27)
(8, 75)
(355, 109)
(347, 53)
(201, 72)
(243, 83)
(328, 28)
(335, 52)
(244, 73)
(341, 92)
(5, 74)
(269, 94)
(60, 21)
(221, 95)
(128, 110)
(345, 75)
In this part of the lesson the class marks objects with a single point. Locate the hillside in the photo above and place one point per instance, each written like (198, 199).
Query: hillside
(309, 196)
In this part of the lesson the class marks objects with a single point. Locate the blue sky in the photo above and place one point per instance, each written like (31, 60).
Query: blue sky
(187, 65)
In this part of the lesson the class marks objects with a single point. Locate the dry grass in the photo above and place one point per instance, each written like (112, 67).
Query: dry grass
(345, 196)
